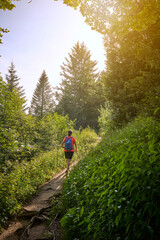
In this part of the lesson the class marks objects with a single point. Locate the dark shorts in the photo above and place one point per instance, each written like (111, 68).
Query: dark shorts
(68, 155)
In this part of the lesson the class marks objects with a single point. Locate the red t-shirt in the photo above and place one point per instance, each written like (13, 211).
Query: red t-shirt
(73, 141)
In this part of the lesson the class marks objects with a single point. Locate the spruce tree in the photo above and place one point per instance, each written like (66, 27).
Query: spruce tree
(13, 84)
(42, 101)
(77, 96)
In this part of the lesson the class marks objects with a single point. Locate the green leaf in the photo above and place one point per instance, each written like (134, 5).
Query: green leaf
(82, 211)
(118, 218)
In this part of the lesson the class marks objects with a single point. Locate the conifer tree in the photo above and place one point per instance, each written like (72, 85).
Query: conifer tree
(42, 101)
(77, 96)
(13, 84)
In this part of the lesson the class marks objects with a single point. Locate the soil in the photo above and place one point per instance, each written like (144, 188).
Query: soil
(35, 222)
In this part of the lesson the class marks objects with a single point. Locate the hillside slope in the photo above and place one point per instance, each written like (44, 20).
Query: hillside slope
(114, 192)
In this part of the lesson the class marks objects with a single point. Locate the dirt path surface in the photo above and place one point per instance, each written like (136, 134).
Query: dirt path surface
(34, 222)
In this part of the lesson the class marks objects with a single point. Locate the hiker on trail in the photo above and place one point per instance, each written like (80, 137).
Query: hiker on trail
(68, 144)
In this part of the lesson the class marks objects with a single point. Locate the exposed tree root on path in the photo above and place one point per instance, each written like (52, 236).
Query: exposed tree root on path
(36, 221)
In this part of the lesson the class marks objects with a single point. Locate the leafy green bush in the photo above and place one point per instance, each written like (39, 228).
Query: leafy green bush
(86, 140)
(105, 120)
(50, 131)
(19, 181)
(114, 192)
(21, 135)
(16, 127)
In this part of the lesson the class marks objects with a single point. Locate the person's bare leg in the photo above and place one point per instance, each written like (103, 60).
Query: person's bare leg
(68, 163)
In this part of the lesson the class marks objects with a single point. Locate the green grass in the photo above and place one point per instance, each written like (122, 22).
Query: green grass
(114, 192)
(20, 181)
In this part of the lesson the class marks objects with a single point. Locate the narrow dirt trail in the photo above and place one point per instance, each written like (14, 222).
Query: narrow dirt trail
(34, 223)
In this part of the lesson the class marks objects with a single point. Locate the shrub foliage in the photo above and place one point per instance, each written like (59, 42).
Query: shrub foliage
(20, 180)
(114, 192)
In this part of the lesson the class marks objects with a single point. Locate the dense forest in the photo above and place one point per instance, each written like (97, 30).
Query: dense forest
(113, 193)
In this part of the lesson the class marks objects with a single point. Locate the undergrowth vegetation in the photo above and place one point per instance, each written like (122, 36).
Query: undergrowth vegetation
(114, 192)
(20, 180)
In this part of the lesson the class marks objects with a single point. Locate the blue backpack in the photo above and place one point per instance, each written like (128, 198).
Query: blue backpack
(68, 144)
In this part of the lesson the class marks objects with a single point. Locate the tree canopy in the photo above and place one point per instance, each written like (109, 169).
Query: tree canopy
(108, 16)
(131, 31)
(5, 5)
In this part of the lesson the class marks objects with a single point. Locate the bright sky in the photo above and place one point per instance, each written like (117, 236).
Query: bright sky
(42, 34)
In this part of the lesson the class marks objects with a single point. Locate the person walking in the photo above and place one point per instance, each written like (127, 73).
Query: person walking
(69, 145)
